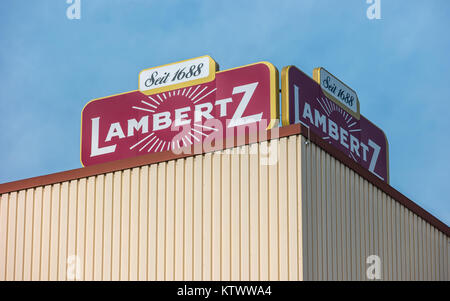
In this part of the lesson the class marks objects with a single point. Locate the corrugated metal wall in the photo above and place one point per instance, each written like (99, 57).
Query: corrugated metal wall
(346, 219)
(214, 216)
(217, 217)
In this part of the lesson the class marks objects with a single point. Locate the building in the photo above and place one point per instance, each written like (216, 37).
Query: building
(312, 214)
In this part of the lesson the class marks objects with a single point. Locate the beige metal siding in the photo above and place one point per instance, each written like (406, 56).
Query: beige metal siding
(209, 217)
(218, 216)
(349, 219)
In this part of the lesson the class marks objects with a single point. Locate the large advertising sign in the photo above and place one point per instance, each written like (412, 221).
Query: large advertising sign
(136, 123)
(304, 101)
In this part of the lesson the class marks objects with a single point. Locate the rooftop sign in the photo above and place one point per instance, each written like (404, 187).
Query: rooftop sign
(305, 102)
(189, 113)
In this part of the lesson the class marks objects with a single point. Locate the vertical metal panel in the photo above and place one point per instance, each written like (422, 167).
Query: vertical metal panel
(368, 222)
(179, 221)
(346, 219)
(188, 219)
(420, 235)
(301, 208)
(307, 229)
(365, 200)
(389, 242)
(3, 234)
(170, 222)
(207, 216)
(152, 259)
(235, 220)
(416, 247)
(161, 223)
(79, 254)
(254, 214)
(197, 219)
(386, 239)
(134, 225)
(244, 215)
(11, 236)
(28, 238)
(89, 220)
(61, 246)
(20, 229)
(313, 217)
(283, 218)
(264, 247)
(331, 198)
(218, 216)
(229, 239)
(292, 208)
(446, 258)
(380, 230)
(116, 220)
(107, 228)
(141, 211)
(98, 228)
(321, 215)
(51, 242)
(46, 232)
(273, 223)
(37, 224)
(338, 207)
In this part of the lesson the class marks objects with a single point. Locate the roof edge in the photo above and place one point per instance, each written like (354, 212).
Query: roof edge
(275, 133)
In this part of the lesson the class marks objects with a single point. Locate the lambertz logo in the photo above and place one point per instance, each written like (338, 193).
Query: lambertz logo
(304, 102)
(134, 123)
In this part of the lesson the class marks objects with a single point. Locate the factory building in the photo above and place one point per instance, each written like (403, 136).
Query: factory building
(284, 204)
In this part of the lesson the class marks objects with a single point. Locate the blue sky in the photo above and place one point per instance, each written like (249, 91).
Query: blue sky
(51, 66)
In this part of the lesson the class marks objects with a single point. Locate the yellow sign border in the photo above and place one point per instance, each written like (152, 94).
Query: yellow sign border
(285, 95)
(213, 69)
(274, 99)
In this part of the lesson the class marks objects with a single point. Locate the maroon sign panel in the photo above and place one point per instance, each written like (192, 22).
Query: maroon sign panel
(133, 124)
(304, 102)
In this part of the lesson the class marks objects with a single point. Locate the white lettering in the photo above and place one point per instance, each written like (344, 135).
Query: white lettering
(307, 113)
(333, 130)
(237, 118)
(134, 125)
(115, 130)
(223, 105)
(373, 161)
(344, 136)
(365, 150)
(320, 120)
(179, 116)
(161, 121)
(206, 113)
(297, 104)
(95, 150)
(354, 145)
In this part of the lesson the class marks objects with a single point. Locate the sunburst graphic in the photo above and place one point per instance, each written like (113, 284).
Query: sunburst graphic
(329, 107)
(194, 95)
